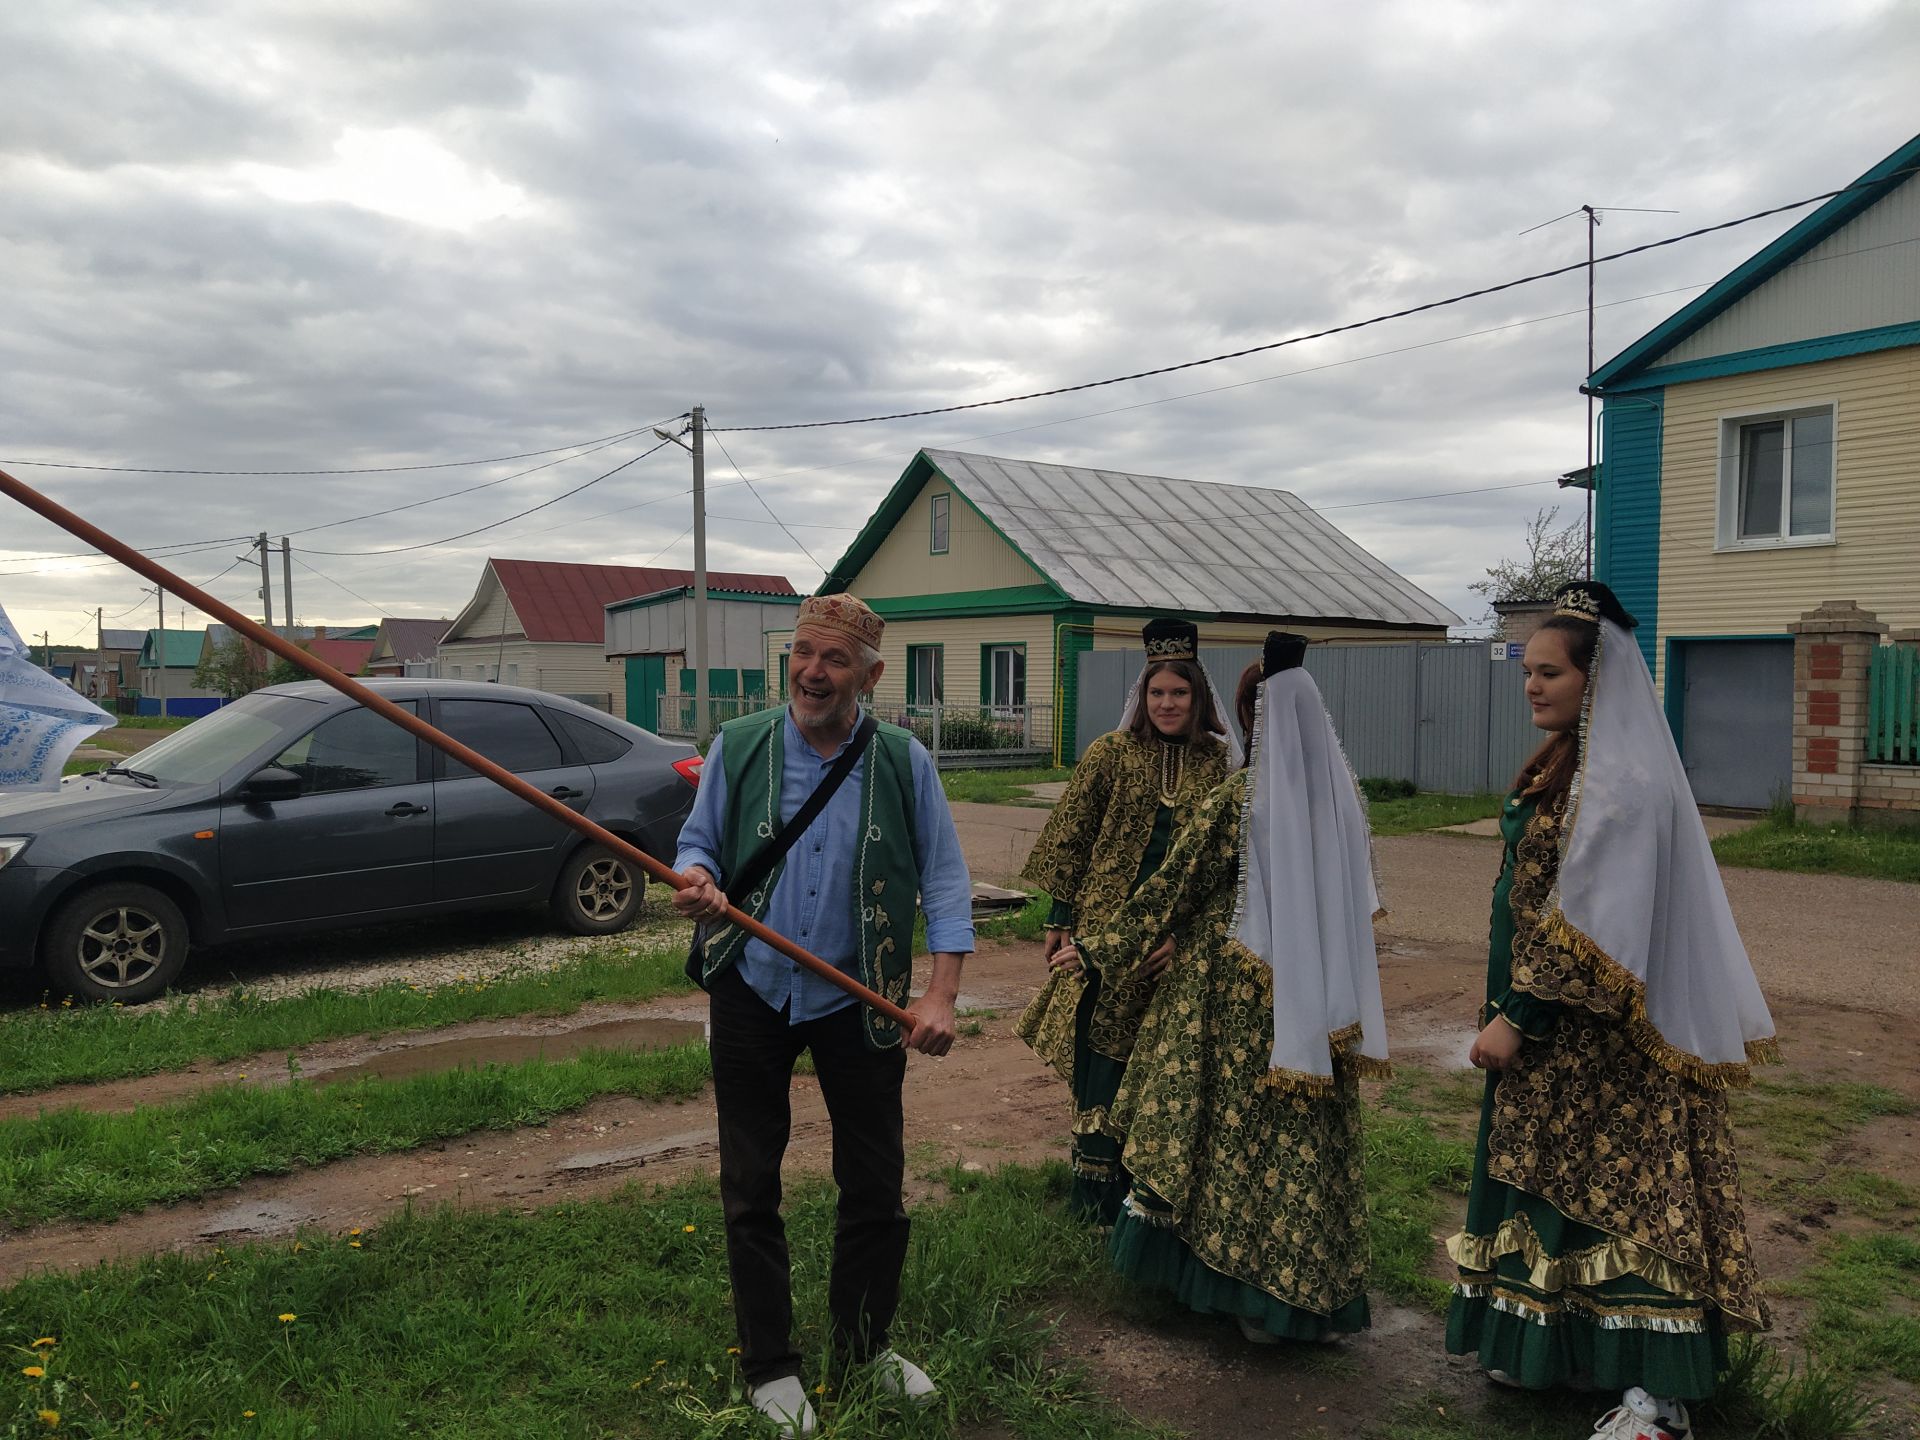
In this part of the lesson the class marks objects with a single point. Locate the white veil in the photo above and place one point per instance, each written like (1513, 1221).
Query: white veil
(1307, 898)
(1236, 756)
(1639, 891)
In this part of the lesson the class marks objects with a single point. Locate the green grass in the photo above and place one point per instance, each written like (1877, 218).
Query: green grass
(1789, 1129)
(1777, 843)
(57, 1046)
(152, 722)
(83, 767)
(1411, 1172)
(76, 1165)
(1865, 1293)
(1425, 811)
(998, 787)
(604, 1318)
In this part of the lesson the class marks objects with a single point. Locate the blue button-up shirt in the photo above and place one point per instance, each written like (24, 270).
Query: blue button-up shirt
(813, 902)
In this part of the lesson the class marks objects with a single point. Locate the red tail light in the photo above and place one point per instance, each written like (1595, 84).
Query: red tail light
(689, 769)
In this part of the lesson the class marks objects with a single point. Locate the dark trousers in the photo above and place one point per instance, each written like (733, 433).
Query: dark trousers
(754, 1049)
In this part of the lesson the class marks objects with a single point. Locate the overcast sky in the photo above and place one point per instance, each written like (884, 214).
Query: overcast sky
(343, 233)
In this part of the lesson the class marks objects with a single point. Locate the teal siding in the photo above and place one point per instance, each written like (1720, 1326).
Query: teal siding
(1627, 521)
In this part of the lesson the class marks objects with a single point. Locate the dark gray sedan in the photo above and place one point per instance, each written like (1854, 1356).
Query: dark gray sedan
(297, 809)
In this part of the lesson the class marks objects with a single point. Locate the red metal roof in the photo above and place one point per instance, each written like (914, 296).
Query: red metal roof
(558, 601)
(349, 657)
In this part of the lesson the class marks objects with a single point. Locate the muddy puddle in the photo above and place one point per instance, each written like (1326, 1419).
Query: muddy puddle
(441, 1055)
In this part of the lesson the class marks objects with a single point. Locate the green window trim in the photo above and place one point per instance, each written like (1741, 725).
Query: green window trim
(986, 669)
(939, 652)
(939, 522)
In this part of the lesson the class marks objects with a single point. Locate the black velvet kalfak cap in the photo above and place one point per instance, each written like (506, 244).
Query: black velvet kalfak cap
(1170, 638)
(1283, 651)
(1590, 600)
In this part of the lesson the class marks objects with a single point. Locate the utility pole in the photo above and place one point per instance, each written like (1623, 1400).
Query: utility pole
(99, 628)
(702, 711)
(266, 581)
(702, 707)
(286, 575)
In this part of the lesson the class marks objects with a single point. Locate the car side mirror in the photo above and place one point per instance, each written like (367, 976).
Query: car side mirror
(272, 783)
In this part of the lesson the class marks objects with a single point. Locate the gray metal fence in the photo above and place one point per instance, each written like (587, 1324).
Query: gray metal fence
(1446, 717)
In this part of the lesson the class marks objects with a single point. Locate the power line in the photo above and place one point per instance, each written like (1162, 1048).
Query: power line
(494, 525)
(1336, 329)
(666, 547)
(763, 501)
(344, 470)
(340, 585)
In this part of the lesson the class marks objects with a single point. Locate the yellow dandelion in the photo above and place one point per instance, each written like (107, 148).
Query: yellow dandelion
(288, 1317)
(353, 1244)
(134, 1386)
(689, 1229)
(44, 1341)
(246, 1414)
(733, 1349)
(354, 1231)
(32, 1372)
(820, 1389)
(50, 1418)
(658, 1363)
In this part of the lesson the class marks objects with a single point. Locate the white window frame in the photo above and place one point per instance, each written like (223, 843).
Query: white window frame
(1727, 535)
(939, 541)
(995, 651)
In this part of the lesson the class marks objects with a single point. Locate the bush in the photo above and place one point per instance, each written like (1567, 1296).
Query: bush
(1376, 787)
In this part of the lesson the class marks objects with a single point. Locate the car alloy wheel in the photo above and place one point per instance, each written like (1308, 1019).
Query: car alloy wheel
(122, 947)
(604, 889)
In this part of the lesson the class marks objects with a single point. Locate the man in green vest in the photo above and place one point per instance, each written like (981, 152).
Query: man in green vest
(883, 846)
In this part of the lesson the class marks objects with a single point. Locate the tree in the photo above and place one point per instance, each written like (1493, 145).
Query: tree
(1554, 558)
(235, 668)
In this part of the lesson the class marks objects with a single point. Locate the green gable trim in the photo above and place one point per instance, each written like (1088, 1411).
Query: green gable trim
(642, 602)
(1014, 600)
(892, 510)
(1865, 192)
(1776, 357)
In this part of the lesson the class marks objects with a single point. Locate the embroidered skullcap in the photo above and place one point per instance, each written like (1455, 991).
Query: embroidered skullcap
(848, 614)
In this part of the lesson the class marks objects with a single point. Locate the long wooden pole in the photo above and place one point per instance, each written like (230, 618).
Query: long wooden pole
(472, 759)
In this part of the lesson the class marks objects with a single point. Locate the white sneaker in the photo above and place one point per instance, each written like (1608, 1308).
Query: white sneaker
(902, 1379)
(784, 1402)
(1638, 1417)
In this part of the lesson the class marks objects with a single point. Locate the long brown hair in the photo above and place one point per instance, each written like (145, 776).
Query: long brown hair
(1246, 702)
(1548, 775)
(1202, 717)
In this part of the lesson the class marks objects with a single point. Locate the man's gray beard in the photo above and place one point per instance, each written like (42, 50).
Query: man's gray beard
(840, 715)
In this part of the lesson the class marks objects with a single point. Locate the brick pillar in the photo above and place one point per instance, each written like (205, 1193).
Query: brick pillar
(1832, 647)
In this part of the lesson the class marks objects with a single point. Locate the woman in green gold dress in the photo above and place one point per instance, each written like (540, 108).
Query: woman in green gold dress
(1108, 834)
(1241, 1106)
(1605, 1244)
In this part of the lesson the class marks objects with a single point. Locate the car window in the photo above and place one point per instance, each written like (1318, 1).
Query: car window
(209, 747)
(597, 744)
(354, 750)
(509, 734)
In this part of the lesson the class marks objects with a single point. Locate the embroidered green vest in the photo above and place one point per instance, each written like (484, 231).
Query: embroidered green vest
(885, 889)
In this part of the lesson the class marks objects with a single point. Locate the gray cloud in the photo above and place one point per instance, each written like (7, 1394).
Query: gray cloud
(803, 212)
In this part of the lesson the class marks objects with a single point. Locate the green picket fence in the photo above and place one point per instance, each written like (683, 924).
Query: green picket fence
(1893, 705)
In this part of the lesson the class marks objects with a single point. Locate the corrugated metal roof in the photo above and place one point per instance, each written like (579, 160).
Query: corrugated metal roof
(565, 602)
(410, 639)
(123, 639)
(1152, 542)
(181, 649)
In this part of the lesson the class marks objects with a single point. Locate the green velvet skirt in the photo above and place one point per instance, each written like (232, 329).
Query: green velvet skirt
(1100, 1181)
(1147, 1250)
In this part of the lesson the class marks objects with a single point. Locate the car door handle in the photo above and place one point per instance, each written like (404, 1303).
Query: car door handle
(406, 807)
(565, 792)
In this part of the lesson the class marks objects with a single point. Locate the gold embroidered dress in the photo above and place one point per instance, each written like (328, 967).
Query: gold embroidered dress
(1249, 1195)
(1105, 837)
(1605, 1236)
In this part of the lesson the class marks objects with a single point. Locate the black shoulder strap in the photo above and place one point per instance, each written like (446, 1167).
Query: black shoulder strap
(759, 864)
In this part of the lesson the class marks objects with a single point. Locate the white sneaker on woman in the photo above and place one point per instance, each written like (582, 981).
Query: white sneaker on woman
(784, 1402)
(1639, 1416)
